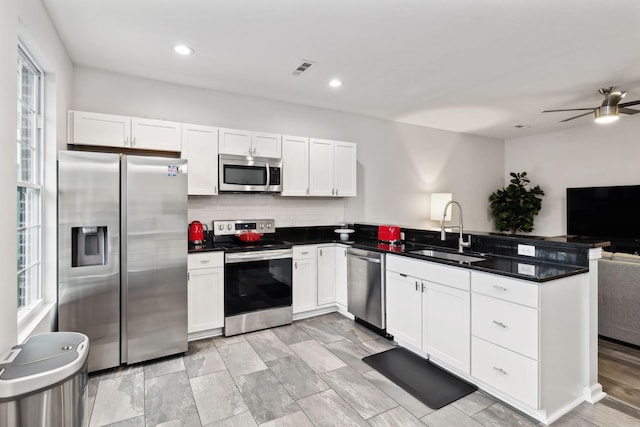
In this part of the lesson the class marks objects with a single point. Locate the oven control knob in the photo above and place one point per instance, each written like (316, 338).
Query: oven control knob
(221, 227)
(228, 226)
(261, 225)
(269, 225)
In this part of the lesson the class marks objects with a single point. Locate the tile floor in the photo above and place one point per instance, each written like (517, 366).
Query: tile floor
(306, 374)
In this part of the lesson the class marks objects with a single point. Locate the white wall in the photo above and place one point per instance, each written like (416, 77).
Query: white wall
(398, 164)
(28, 21)
(8, 289)
(592, 155)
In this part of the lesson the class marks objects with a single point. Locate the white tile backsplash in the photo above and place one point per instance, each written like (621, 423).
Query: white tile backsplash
(286, 211)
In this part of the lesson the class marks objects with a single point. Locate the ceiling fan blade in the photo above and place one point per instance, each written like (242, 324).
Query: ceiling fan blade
(571, 118)
(569, 109)
(629, 111)
(630, 103)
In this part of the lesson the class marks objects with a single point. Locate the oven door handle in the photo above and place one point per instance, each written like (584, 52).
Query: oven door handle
(233, 258)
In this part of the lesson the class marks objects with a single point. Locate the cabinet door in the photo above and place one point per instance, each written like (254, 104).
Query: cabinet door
(234, 141)
(326, 275)
(151, 134)
(446, 325)
(98, 129)
(200, 148)
(295, 166)
(404, 309)
(341, 276)
(345, 166)
(304, 285)
(266, 145)
(321, 168)
(205, 299)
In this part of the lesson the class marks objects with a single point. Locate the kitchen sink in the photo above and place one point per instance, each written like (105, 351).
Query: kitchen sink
(447, 255)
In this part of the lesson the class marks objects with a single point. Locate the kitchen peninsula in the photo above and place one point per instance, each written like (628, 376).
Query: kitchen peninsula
(521, 327)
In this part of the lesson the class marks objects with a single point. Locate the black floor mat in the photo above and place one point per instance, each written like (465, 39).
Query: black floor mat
(419, 377)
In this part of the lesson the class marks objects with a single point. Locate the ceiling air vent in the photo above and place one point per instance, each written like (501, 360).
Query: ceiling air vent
(302, 67)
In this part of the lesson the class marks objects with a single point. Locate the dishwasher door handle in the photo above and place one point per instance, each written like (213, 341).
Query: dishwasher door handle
(373, 260)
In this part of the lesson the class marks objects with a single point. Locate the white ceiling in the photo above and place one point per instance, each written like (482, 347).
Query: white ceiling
(473, 66)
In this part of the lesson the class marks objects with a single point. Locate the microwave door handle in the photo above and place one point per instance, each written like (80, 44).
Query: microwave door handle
(268, 175)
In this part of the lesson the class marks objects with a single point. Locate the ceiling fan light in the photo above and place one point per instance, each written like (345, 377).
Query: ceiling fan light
(606, 114)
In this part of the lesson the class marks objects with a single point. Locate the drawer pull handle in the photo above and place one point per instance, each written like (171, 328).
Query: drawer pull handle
(502, 325)
(205, 261)
(500, 288)
(304, 253)
(416, 285)
(502, 371)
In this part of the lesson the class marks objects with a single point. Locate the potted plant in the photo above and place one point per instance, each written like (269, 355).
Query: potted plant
(513, 207)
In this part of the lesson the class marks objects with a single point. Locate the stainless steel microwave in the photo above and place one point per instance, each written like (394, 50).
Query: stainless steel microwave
(249, 174)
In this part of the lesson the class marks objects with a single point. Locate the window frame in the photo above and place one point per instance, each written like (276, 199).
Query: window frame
(35, 296)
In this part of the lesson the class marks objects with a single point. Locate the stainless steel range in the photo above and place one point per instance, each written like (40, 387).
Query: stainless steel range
(257, 276)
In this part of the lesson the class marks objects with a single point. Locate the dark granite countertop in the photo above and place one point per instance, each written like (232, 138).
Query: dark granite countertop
(529, 269)
(554, 263)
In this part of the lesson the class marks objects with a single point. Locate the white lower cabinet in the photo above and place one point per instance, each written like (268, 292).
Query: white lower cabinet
(510, 372)
(304, 287)
(527, 347)
(319, 279)
(205, 298)
(404, 308)
(445, 325)
(326, 275)
(341, 276)
(428, 309)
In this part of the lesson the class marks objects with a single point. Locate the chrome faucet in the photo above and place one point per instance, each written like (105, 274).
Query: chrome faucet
(443, 233)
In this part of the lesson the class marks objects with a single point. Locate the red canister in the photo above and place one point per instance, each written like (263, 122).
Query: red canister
(389, 233)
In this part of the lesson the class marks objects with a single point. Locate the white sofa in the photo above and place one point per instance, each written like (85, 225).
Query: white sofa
(619, 297)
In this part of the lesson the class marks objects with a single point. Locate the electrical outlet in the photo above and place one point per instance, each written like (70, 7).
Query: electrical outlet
(527, 269)
(527, 250)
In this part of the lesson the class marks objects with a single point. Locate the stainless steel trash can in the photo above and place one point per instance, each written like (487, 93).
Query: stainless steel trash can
(43, 382)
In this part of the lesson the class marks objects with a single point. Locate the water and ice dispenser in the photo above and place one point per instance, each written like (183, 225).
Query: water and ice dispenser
(89, 246)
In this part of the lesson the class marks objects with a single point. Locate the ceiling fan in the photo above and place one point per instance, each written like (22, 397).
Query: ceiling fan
(609, 110)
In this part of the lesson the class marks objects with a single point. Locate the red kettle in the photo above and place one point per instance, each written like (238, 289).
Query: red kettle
(196, 232)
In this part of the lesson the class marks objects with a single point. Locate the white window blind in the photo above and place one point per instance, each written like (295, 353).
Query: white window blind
(29, 184)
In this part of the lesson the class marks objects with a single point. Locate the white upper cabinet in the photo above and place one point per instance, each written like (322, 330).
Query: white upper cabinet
(321, 167)
(151, 134)
(295, 166)
(200, 148)
(235, 141)
(332, 168)
(110, 130)
(266, 144)
(345, 169)
(105, 130)
(247, 143)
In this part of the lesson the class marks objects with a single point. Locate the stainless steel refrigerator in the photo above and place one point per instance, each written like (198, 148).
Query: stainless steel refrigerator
(122, 255)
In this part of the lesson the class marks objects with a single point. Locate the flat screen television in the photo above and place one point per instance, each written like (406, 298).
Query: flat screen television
(609, 212)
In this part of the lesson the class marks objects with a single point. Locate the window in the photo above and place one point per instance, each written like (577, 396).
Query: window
(29, 179)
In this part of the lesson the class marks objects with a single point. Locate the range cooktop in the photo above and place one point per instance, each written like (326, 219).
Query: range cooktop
(225, 234)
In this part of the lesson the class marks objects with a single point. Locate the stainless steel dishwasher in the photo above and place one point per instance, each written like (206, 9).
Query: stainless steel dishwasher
(366, 288)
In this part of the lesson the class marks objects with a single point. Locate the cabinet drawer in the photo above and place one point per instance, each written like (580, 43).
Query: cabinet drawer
(509, 372)
(504, 323)
(432, 272)
(505, 288)
(205, 260)
(304, 251)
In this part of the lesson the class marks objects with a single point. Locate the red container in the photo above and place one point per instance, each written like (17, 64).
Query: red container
(196, 232)
(249, 236)
(389, 233)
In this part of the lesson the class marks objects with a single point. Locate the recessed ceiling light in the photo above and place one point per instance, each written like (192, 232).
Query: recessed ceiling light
(183, 49)
(335, 83)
